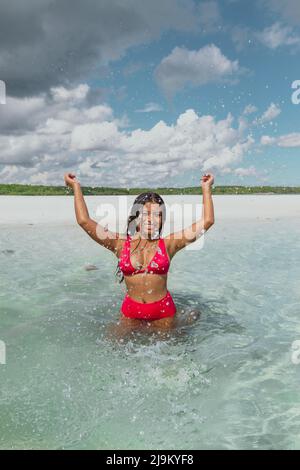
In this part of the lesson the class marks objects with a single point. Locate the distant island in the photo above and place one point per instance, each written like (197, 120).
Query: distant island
(40, 190)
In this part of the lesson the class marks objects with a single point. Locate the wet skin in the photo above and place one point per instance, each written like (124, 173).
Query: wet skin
(145, 287)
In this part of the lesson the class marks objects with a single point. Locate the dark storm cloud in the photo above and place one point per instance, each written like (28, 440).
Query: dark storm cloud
(46, 43)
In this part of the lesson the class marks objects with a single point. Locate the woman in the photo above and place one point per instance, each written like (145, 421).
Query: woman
(144, 256)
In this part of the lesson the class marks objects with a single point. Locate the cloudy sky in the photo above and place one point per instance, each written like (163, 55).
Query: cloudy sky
(150, 93)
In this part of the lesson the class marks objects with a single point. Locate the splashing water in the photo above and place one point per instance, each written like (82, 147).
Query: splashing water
(224, 381)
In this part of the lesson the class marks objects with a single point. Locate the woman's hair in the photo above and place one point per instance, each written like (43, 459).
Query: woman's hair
(132, 221)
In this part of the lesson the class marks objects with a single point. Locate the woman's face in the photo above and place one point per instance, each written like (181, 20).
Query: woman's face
(150, 220)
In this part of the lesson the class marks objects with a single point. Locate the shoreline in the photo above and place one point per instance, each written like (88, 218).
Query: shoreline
(162, 194)
(16, 189)
(16, 210)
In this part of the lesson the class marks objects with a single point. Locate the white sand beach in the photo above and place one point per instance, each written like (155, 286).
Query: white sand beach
(60, 209)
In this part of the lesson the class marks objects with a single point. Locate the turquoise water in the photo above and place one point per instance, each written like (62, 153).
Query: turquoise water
(226, 382)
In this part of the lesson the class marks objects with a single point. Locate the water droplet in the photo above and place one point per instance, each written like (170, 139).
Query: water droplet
(153, 264)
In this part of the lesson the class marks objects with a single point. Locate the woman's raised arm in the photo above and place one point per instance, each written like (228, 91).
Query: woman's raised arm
(178, 240)
(97, 232)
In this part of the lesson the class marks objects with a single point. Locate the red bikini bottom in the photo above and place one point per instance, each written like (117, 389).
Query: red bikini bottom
(162, 308)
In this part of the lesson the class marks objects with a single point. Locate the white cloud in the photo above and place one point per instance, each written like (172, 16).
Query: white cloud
(98, 113)
(267, 140)
(246, 172)
(73, 95)
(250, 171)
(195, 67)
(269, 115)
(287, 140)
(278, 35)
(90, 141)
(249, 109)
(55, 126)
(243, 121)
(149, 108)
(95, 136)
(273, 36)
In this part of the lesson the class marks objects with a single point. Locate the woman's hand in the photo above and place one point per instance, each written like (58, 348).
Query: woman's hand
(207, 181)
(70, 180)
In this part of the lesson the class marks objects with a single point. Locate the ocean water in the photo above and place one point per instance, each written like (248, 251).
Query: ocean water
(227, 381)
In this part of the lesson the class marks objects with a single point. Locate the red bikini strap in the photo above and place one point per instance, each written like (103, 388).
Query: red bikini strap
(128, 240)
(125, 246)
(162, 242)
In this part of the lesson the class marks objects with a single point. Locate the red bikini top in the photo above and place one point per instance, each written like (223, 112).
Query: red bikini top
(158, 265)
